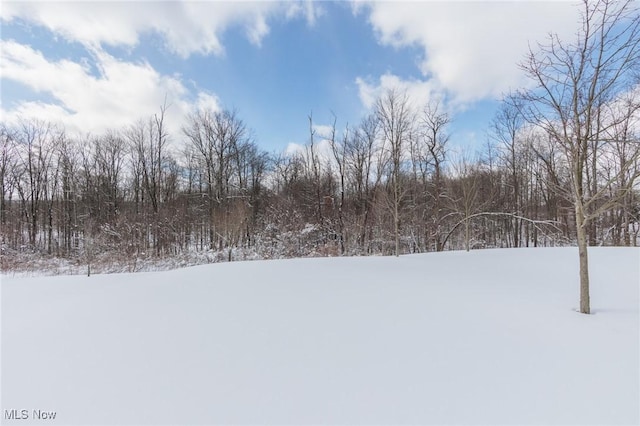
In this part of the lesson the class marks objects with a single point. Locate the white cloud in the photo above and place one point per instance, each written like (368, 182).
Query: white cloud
(187, 27)
(419, 92)
(258, 30)
(42, 111)
(294, 149)
(208, 102)
(321, 149)
(321, 144)
(311, 10)
(322, 131)
(470, 48)
(121, 93)
(85, 22)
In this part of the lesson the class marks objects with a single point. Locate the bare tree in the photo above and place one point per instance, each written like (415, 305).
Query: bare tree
(431, 157)
(467, 198)
(68, 163)
(396, 120)
(35, 142)
(363, 174)
(574, 81)
(220, 142)
(148, 140)
(7, 164)
(506, 128)
(314, 168)
(339, 150)
(619, 163)
(110, 155)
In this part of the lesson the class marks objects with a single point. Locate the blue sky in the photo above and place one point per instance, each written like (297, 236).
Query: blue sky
(99, 65)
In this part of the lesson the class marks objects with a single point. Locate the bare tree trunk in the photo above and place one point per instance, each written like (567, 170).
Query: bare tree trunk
(396, 219)
(626, 222)
(466, 234)
(585, 305)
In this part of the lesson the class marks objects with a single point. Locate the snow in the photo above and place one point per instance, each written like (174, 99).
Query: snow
(485, 337)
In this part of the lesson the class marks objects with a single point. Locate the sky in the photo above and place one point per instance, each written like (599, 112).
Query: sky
(93, 66)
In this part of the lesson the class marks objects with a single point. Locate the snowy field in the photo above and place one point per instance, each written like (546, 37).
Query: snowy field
(486, 337)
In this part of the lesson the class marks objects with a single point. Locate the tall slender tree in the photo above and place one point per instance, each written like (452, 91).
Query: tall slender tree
(396, 120)
(574, 81)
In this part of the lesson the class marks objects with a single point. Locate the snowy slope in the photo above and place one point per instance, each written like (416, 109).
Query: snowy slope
(484, 337)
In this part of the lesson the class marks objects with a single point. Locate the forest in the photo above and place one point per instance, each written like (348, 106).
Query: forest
(387, 186)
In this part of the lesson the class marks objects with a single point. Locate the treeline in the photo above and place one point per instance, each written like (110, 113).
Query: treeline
(388, 185)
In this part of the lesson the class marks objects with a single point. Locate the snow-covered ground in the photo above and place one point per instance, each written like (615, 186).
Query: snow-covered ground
(486, 337)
